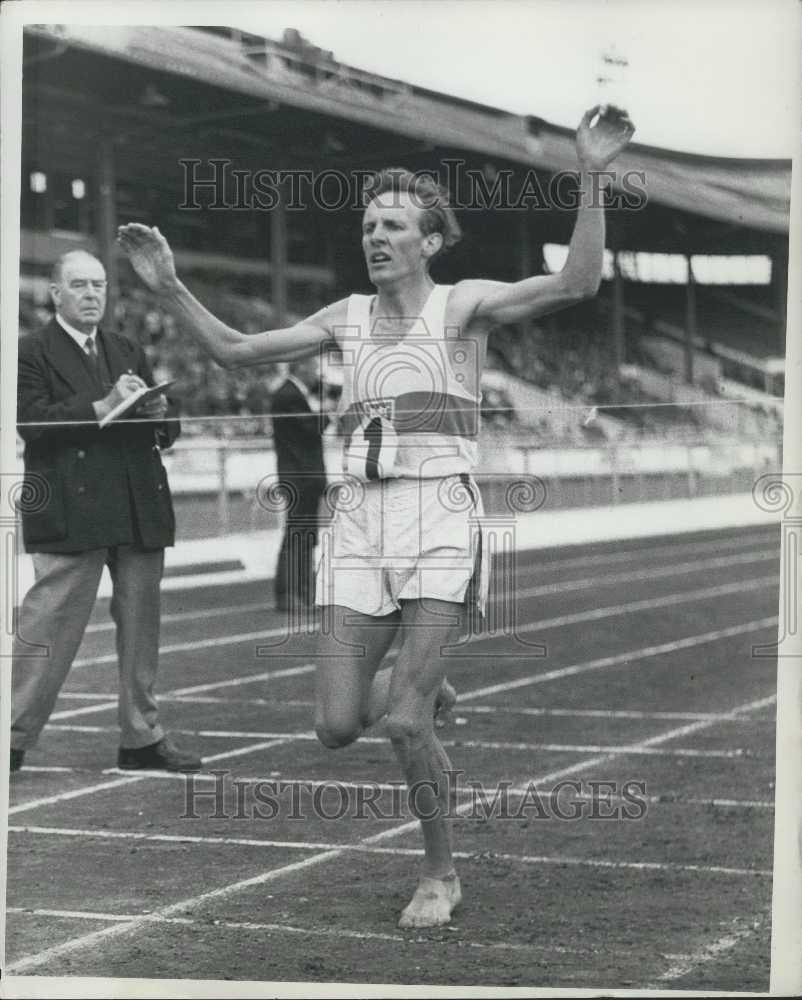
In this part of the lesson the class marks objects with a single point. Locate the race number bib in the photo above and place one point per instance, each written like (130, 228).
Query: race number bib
(373, 447)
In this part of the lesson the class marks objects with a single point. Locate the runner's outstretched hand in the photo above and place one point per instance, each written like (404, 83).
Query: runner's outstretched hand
(150, 255)
(599, 145)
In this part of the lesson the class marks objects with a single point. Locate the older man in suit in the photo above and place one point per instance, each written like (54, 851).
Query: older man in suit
(106, 501)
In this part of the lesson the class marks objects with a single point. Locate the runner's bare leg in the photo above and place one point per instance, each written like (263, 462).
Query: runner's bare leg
(347, 661)
(416, 680)
(444, 703)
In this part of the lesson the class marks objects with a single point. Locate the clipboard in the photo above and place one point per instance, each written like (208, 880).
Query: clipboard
(131, 402)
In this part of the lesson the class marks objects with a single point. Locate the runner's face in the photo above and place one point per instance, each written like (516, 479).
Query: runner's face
(392, 240)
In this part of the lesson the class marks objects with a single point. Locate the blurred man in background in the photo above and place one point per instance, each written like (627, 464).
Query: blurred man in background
(298, 424)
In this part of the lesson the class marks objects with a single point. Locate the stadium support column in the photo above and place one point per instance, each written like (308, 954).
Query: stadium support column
(618, 314)
(278, 261)
(107, 224)
(779, 276)
(690, 322)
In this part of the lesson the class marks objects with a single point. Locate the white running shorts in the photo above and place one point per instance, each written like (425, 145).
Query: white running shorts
(400, 539)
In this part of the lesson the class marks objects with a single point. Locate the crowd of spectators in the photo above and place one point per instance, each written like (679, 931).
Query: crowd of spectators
(578, 361)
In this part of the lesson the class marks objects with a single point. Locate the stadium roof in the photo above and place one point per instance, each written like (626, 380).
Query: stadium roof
(753, 193)
(747, 193)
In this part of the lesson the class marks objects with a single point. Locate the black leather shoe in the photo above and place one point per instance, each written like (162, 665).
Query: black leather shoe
(162, 756)
(16, 759)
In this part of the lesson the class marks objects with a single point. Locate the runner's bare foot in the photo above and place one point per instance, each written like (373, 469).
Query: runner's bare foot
(444, 703)
(433, 902)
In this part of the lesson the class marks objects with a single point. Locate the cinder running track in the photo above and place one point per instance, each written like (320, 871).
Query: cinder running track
(648, 677)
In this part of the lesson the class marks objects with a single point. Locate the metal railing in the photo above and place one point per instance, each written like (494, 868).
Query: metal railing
(219, 484)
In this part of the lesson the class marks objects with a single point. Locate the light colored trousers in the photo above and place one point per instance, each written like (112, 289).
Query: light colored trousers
(51, 625)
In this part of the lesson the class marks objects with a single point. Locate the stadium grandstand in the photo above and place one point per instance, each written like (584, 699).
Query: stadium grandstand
(118, 121)
(640, 545)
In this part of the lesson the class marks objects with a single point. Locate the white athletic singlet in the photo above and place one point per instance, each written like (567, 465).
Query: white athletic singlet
(403, 410)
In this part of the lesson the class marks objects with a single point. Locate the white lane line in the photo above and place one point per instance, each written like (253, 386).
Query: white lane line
(655, 551)
(204, 699)
(85, 915)
(644, 866)
(265, 675)
(329, 932)
(653, 573)
(647, 604)
(310, 784)
(652, 741)
(76, 728)
(517, 745)
(542, 590)
(109, 932)
(119, 782)
(187, 616)
(251, 748)
(665, 800)
(305, 845)
(636, 654)
(74, 794)
(590, 713)
(52, 769)
(681, 965)
(87, 695)
(233, 734)
(593, 748)
(185, 647)
(593, 713)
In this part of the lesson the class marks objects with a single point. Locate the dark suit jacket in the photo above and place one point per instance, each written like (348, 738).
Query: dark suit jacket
(297, 437)
(101, 486)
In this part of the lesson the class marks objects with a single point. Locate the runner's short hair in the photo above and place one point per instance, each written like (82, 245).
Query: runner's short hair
(427, 194)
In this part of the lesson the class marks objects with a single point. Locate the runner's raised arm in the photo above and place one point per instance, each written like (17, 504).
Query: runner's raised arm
(152, 259)
(498, 302)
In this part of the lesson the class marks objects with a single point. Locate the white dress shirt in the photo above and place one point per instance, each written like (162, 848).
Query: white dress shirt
(78, 336)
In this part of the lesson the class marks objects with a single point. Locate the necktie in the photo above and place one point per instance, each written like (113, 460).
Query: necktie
(91, 352)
